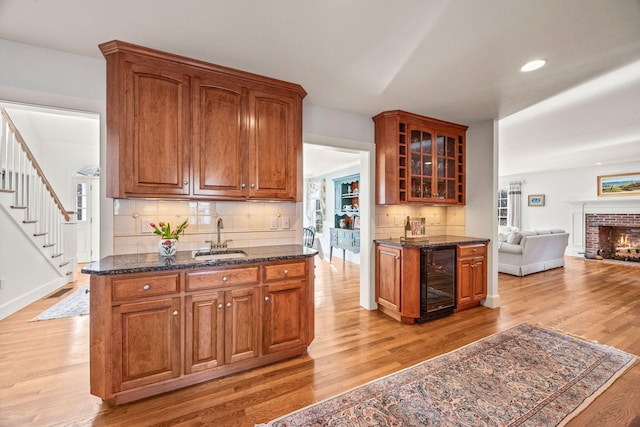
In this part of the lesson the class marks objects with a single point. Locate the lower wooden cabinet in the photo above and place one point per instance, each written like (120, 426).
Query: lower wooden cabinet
(155, 332)
(398, 282)
(472, 276)
(146, 342)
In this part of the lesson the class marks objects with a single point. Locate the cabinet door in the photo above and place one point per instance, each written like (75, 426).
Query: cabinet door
(219, 138)
(421, 164)
(242, 339)
(465, 281)
(446, 168)
(157, 145)
(388, 267)
(204, 343)
(146, 343)
(284, 316)
(275, 146)
(479, 283)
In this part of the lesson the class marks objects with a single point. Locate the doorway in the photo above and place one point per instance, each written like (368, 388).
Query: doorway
(87, 198)
(361, 156)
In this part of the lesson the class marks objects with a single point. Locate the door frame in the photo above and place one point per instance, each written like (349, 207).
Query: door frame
(368, 214)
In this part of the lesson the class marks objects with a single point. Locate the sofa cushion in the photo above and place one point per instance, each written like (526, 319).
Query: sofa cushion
(514, 238)
(502, 237)
(542, 232)
(557, 231)
(528, 233)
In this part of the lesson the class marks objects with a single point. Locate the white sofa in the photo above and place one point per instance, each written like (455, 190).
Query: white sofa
(525, 252)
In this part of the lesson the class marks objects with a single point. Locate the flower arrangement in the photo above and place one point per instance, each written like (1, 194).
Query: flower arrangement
(164, 229)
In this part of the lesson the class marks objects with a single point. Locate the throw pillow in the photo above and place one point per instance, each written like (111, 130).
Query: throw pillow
(514, 238)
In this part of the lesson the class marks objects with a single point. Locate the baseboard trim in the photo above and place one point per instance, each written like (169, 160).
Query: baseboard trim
(24, 300)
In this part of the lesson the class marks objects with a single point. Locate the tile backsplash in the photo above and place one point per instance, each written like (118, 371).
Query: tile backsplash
(390, 220)
(245, 224)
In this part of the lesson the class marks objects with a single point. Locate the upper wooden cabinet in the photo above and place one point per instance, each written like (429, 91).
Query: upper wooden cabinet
(419, 160)
(183, 128)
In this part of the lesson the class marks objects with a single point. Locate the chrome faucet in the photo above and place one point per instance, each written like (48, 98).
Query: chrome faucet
(219, 227)
(219, 244)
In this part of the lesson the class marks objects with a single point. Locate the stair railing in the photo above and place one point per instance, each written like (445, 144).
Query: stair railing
(22, 175)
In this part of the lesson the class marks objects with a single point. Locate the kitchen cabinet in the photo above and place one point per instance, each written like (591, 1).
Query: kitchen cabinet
(152, 332)
(419, 160)
(398, 282)
(472, 276)
(285, 317)
(187, 129)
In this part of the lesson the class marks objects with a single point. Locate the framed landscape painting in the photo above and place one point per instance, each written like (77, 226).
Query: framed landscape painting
(624, 184)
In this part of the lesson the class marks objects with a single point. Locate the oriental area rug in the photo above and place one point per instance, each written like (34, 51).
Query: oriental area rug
(76, 304)
(527, 375)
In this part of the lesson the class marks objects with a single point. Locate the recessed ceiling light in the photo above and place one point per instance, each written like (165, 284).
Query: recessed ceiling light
(533, 65)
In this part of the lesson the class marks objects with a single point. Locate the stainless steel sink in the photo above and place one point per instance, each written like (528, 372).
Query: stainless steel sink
(219, 255)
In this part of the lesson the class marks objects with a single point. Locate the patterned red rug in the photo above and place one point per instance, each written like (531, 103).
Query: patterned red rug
(527, 375)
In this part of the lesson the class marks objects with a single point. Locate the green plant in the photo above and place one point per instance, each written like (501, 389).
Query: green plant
(163, 229)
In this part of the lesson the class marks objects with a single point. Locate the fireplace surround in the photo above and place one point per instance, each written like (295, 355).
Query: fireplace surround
(613, 235)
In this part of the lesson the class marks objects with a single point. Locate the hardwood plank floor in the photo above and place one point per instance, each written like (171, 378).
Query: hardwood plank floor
(45, 365)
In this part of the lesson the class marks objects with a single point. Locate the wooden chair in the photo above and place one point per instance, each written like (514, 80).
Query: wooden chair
(309, 235)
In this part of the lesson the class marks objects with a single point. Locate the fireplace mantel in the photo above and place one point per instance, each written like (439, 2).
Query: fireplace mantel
(580, 208)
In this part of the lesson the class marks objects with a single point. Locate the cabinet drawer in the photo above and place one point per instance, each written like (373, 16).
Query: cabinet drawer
(284, 271)
(219, 278)
(472, 250)
(147, 286)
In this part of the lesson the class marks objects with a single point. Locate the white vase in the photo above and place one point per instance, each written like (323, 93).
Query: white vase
(168, 247)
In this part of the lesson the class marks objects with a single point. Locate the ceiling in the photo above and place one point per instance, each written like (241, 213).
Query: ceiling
(456, 60)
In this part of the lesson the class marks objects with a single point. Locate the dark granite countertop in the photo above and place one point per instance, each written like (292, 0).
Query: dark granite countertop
(433, 241)
(137, 263)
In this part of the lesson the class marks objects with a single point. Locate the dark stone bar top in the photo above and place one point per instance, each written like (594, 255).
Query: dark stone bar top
(138, 263)
(433, 241)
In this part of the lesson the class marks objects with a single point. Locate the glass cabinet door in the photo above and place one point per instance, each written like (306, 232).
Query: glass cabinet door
(433, 166)
(421, 164)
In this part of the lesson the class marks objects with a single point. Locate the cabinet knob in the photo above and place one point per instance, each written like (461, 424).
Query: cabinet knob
(225, 278)
(243, 185)
(175, 312)
(185, 182)
(146, 287)
(228, 304)
(266, 299)
(397, 257)
(220, 305)
(253, 186)
(286, 272)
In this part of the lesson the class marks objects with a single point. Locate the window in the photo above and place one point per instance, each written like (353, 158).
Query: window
(81, 202)
(503, 206)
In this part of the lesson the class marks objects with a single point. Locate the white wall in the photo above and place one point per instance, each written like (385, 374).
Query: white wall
(560, 188)
(481, 208)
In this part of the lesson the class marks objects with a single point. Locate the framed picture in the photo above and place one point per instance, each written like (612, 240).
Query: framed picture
(356, 222)
(536, 199)
(623, 184)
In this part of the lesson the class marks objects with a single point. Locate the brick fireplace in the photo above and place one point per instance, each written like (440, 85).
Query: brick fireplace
(614, 236)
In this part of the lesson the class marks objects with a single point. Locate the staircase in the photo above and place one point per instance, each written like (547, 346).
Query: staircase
(32, 206)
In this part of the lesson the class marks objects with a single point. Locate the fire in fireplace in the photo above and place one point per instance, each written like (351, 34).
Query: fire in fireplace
(613, 236)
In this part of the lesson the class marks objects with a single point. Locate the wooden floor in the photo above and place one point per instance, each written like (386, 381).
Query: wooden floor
(44, 366)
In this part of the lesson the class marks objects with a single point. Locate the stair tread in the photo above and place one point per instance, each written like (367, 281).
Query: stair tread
(56, 255)
(18, 207)
(29, 221)
(40, 234)
(48, 245)
(2, 190)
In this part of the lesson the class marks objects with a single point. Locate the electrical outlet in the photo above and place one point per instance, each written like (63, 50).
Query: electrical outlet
(145, 226)
(286, 222)
(273, 222)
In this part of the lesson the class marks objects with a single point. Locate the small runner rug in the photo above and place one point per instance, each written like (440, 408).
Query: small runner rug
(76, 304)
(527, 375)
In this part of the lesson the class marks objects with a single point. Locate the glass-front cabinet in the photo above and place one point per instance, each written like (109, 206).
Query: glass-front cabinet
(419, 160)
(433, 166)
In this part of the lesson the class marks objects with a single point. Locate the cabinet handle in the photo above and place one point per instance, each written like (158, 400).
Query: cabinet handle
(146, 287)
(175, 312)
(185, 182)
(266, 299)
(474, 250)
(220, 305)
(228, 304)
(397, 257)
(225, 278)
(243, 185)
(286, 272)
(253, 186)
